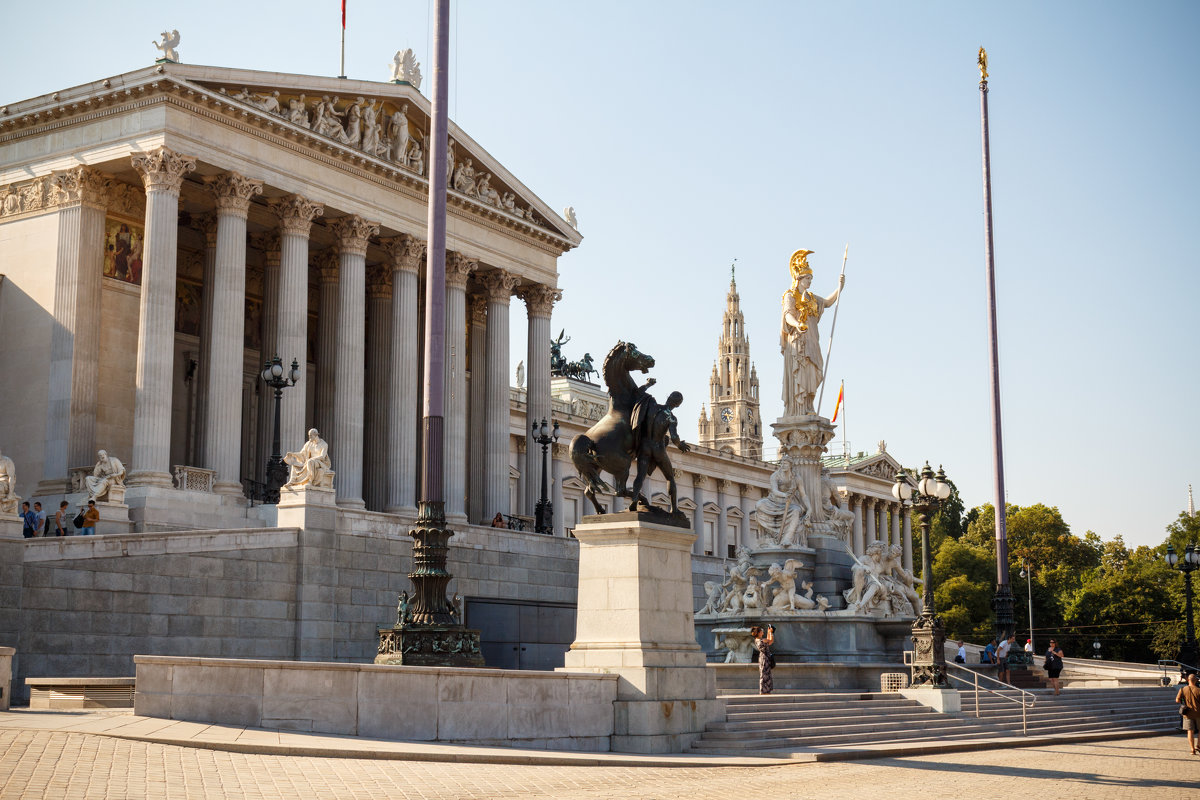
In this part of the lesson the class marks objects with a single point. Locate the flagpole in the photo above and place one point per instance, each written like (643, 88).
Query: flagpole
(832, 328)
(342, 71)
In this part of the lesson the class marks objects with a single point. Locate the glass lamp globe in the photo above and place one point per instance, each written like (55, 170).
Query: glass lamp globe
(294, 375)
(266, 373)
(927, 486)
(1172, 557)
(554, 433)
(1192, 555)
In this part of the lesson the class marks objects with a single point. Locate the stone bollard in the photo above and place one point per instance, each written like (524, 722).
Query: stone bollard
(6, 657)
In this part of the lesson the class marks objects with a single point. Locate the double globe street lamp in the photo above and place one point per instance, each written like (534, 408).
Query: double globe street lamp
(273, 375)
(1189, 655)
(543, 521)
(928, 632)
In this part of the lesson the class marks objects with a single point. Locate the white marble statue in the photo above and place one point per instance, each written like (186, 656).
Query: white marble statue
(738, 641)
(297, 112)
(712, 601)
(841, 519)
(406, 68)
(372, 137)
(798, 339)
(734, 588)
(416, 158)
(754, 597)
(108, 474)
(9, 502)
(881, 586)
(169, 42)
(509, 202)
(326, 120)
(785, 599)
(352, 132)
(569, 216)
(311, 463)
(486, 193)
(782, 514)
(464, 178)
(399, 135)
(905, 600)
(521, 374)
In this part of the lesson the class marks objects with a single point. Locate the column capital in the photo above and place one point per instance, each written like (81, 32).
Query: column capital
(295, 213)
(459, 268)
(379, 280)
(163, 170)
(352, 233)
(80, 186)
(498, 285)
(269, 243)
(406, 251)
(206, 223)
(560, 450)
(698, 479)
(477, 309)
(539, 299)
(328, 266)
(723, 484)
(232, 192)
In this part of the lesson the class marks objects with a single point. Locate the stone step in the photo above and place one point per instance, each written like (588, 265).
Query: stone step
(804, 708)
(738, 721)
(802, 729)
(829, 739)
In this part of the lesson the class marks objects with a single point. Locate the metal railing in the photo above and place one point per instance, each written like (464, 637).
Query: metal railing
(1184, 669)
(975, 676)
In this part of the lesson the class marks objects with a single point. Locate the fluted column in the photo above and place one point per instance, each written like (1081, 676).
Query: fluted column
(856, 505)
(747, 538)
(207, 225)
(539, 304)
(406, 252)
(328, 270)
(162, 173)
(895, 524)
(720, 547)
(291, 333)
(558, 452)
(698, 516)
(351, 233)
(75, 341)
(521, 476)
(269, 244)
(458, 270)
(869, 510)
(379, 360)
(223, 428)
(908, 553)
(476, 414)
(498, 286)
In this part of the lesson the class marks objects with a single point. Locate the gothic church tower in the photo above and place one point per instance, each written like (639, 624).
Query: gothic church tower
(734, 425)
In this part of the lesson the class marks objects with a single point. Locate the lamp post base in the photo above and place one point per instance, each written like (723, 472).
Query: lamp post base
(929, 652)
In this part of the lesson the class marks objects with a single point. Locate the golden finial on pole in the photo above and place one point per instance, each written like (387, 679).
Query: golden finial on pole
(983, 65)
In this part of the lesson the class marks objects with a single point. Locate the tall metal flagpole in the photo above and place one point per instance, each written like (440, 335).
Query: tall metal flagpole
(1002, 603)
(342, 71)
(832, 328)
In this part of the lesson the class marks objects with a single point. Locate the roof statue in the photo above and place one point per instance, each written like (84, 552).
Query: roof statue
(983, 65)
(405, 68)
(169, 42)
(569, 216)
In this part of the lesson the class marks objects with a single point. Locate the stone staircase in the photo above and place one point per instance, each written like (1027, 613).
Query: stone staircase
(875, 723)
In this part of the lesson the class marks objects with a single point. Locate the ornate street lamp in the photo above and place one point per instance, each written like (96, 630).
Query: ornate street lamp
(1027, 574)
(928, 632)
(1096, 648)
(273, 375)
(544, 515)
(1189, 654)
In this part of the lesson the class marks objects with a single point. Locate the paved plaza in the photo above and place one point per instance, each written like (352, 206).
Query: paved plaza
(55, 763)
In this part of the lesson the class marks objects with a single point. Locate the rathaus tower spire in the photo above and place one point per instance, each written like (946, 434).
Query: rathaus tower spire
(734, 424)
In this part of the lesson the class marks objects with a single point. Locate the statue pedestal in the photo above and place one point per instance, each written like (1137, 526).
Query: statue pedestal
(634, 620)
(114, 517)
(306, 506)
(11, 526)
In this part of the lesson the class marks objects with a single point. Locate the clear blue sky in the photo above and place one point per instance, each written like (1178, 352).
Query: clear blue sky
(687, 134)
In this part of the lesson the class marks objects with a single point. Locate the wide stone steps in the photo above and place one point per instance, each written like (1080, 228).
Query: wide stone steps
(840, 721)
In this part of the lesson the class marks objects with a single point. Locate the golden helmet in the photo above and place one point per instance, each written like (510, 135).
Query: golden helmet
(799, 264)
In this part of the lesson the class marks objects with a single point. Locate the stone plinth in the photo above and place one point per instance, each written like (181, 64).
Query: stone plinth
(943, 701)
(11, 527)
(429, 646)
(634, 620)
(309, 495)
(114, 517)
(6, 657)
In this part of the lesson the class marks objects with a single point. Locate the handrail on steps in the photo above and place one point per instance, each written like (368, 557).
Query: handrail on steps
(1184, 669)
(976, 676)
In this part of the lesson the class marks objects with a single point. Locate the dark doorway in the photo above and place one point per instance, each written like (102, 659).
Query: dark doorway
(522, 635)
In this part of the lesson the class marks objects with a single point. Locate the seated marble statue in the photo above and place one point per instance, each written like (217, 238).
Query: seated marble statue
(868, 594)
(840, 517)
(782, 512)
(8, 486)
(900, 582)
(108, 474)
(786, 600)
(311, 463)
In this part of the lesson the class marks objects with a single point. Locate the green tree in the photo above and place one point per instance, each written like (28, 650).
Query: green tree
(963, 587)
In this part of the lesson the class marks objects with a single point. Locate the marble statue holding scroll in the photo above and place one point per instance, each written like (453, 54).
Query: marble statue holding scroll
(107, 475)
(798, 340)
(782, 514)
(310, 463)
(9, 502)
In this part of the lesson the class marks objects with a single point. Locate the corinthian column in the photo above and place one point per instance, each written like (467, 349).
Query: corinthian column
(908, 554)
(327, 332)
(162, 173)
(869, 510)
(856, 505)
(346, 447)
(223, 431)
(558, 453)
(539, 303)
(75, 341)
(207, 225)
(496, 497)
(269, 244)
(406, 252)
(291, 334)
(379, 361)
(477, 403)
(458, 269)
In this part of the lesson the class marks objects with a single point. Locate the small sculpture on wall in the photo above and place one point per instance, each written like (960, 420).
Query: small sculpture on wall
(406, 68)
(107, 480)
(310, 464)
(9, 502)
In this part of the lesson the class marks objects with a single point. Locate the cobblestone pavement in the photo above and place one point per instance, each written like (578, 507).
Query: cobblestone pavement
(51, 764)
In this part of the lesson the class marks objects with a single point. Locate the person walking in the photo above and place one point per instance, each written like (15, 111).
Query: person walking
(90, 517)
(39, 520)
(62, 519)
(766, 661)
(1002, 658)
(1054, 664)
(28, 518)
(1189, 707)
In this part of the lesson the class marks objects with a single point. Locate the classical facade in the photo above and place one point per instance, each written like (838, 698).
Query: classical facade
(166, 231)
(732, 423)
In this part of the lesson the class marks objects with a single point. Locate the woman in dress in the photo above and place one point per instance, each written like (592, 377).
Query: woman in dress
(1054, 664)
(798, 339)
(1189, 697)
(762, 643)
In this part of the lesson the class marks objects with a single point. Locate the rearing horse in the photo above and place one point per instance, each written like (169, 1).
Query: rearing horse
(609, 444)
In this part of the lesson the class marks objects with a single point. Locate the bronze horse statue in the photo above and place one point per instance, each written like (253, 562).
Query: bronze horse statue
(610, 444)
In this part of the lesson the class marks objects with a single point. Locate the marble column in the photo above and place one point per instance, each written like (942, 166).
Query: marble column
(162, 173)
(458, 270)
(720, 546)
(351, 233)
(539, 304)
(223, 427)
(291, 334)
(747, 539)
(328, 270)
(870, 512)
(895, 524)
(698, 517)
(856, 505)
(376, 442)
(908, 549)
(498, 286)
(207, 225)
(477, 512)
(407, 253)
(558, 454)
(269, 244)
(75, 341)
(521, 476)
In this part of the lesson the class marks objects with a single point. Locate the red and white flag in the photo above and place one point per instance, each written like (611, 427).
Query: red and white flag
(838, 406)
